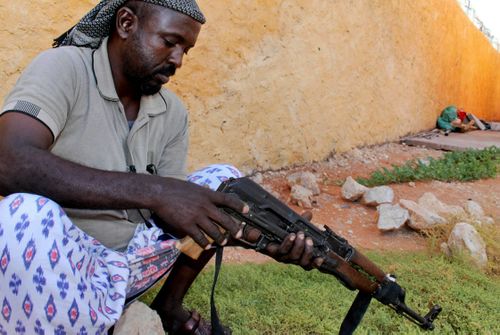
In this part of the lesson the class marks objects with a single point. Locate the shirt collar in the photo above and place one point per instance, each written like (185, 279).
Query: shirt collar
(102, 72)
(151, 105)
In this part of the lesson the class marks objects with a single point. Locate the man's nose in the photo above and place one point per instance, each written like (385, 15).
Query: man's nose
(176, 57)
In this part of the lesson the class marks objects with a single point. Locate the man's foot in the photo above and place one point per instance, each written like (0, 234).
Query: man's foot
(185, 323)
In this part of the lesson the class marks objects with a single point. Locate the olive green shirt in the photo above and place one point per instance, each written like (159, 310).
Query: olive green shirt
(71, 91)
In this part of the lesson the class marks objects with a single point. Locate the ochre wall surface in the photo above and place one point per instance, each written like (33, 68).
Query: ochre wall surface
(275, 83)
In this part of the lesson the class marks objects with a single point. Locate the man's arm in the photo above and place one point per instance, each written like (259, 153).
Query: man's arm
(26, 165)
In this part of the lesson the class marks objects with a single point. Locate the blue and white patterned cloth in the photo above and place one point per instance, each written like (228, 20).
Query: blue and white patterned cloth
(213, 175)
(56, 279)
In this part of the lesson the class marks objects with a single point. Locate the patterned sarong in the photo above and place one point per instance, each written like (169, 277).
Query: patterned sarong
(56, 279)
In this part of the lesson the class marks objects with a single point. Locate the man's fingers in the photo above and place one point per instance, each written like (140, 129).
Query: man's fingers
(287, 244)
(305, 260)
(297, 248)
(226, 222)
(317, 262)
(251, 234)
(272, 249)
(199, 238)
(230, 200)
(211, 229)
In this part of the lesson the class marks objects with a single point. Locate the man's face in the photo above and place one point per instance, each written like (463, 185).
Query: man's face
(155, 50)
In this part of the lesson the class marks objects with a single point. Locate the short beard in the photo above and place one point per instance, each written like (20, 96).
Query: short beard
(148, 85)
(149, 88)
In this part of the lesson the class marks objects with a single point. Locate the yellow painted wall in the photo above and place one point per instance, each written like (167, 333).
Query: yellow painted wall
(273, 83)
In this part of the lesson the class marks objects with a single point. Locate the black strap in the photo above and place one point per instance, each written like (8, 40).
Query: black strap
(217, 328)
(355, 314)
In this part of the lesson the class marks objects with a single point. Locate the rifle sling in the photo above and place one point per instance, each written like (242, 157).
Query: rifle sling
(355, 313)
(217, 328)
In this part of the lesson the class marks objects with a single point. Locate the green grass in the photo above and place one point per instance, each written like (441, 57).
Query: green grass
(453, 166)
(279, 299)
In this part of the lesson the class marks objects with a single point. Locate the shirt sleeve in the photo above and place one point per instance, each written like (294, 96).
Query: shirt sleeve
(46, 90)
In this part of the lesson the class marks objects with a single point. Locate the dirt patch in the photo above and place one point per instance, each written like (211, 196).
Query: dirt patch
(358, 223)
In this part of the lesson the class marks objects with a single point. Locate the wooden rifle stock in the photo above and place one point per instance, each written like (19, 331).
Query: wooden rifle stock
(189, 247)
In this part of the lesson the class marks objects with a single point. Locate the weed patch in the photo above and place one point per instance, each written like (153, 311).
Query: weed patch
(453, 166)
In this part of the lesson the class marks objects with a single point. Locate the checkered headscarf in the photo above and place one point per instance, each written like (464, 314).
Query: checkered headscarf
(96, 24)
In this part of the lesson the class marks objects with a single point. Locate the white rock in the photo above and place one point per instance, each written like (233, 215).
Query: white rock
(432, 203)
(305, 179)
(301, 196)
(474, 209)
(378, 195)
(425, 161)
(139, 319)
(488, 220)
(420, 217)
(352, 190)
(391, 217)
(465, 239)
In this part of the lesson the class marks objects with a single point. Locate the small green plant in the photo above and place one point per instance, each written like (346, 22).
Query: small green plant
(453, 166)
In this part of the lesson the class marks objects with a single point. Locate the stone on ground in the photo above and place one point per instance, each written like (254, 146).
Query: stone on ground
(421, 217)
(139, 319)
(465, 239)
(352, 190)
(474, 209)
(431, 202)
(301, 196)
(378, 195)
(477, 214)
(305, 179)
(488, 220)
(391, 217)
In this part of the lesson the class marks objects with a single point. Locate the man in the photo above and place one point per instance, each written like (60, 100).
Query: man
(89, 126)
(456, 120)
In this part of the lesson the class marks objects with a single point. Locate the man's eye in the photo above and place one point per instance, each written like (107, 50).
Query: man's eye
(169, 43)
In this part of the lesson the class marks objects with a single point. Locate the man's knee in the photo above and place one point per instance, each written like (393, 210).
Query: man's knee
(20, 212)
(10, 205)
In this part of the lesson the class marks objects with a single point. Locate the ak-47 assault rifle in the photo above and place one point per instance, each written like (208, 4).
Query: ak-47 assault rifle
(276, 220)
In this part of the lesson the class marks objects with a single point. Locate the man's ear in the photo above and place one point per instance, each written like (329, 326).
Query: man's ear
(126, 22)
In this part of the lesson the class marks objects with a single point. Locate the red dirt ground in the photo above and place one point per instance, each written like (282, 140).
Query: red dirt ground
(358, 223)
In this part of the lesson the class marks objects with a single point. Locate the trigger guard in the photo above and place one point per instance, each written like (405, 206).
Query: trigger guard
(261, 243)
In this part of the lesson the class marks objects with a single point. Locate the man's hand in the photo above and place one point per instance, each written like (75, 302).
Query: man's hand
(295, 248)
(188, 209)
